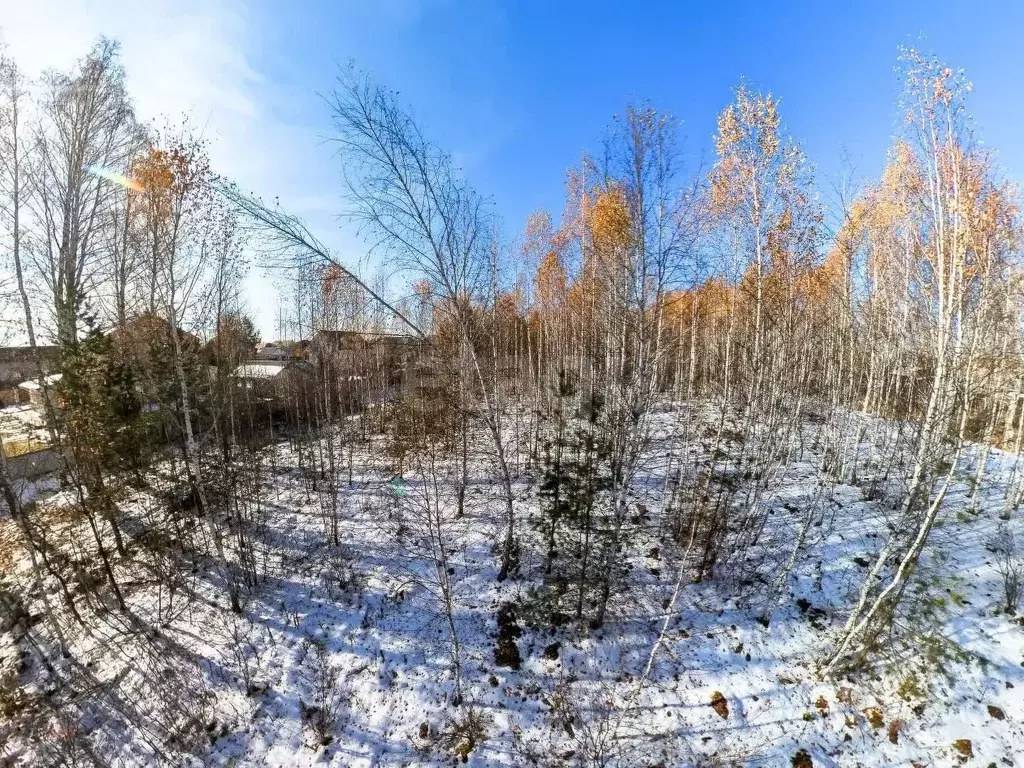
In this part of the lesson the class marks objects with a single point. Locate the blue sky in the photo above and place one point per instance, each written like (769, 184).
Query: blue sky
(517, 90)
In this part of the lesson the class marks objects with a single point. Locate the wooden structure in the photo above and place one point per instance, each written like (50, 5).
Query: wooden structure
(18, 364)
(272, 379)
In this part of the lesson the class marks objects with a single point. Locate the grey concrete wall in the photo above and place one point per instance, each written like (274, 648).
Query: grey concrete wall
(29, 466)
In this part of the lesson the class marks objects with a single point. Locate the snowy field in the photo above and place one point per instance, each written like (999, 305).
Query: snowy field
(355, 635)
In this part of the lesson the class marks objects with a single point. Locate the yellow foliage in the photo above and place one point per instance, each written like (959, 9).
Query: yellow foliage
(332, 275)
(609, 221)
(551, 282)
(749, 145)
(710, 301)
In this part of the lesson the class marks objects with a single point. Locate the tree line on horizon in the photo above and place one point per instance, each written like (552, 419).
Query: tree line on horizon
(551, 358)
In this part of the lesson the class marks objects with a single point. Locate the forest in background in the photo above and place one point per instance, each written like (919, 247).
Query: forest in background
(880, 335)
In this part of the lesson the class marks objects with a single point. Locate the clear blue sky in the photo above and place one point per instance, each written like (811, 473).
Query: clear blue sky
(518, 89)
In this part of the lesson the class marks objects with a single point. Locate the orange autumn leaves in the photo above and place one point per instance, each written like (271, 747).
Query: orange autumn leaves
(759, 176)
(747, 144)
(171, 171)
(608, 221)
(892, 224)
(770, 243)
(599, 222)
(761, 202)
(171, 179)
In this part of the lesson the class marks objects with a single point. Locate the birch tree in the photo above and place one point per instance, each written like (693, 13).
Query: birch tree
(432, 224)
(959, 249)
(184, 233)
(85, 134)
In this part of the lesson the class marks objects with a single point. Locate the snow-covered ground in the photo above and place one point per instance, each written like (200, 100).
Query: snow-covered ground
(726, 686)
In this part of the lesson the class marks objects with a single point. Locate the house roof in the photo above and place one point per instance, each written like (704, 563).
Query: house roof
(48, 381)
(28, 354)
(340, 337)
(259, 369)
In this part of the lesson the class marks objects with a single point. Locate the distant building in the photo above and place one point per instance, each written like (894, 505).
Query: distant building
(364, 352)
(40, 390)
(17, 364)
(370, 366)
(259, 370)
(272, 379)
(281, 350)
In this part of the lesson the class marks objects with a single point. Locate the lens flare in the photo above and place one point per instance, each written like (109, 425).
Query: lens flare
(116, 178)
